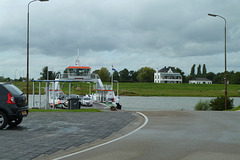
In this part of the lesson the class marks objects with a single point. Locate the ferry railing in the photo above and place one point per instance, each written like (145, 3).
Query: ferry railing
(78, 75)
(105, 87)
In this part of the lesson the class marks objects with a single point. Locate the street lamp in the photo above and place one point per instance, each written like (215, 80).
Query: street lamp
(28, 43)
(214, 15)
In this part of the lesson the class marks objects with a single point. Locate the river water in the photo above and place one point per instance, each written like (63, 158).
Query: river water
(133, 103)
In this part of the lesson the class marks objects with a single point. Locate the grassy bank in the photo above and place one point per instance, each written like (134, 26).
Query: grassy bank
(235, 109)
(186, 90)
(149, 89)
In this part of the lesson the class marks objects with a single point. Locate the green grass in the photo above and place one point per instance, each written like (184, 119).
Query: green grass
(64, 110)
(185, 90)
(147, 89)
(235, 109)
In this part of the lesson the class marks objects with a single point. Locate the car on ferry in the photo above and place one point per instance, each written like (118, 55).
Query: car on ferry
(87, 101)
(13, 105)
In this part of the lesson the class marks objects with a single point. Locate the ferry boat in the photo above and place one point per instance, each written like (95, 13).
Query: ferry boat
(104, 93)
(55, 96)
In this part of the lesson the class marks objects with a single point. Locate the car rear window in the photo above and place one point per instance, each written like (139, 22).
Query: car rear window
(86, 98)
(13, 89)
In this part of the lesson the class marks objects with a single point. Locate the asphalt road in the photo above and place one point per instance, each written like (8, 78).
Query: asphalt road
(42, 134)
(176, 135)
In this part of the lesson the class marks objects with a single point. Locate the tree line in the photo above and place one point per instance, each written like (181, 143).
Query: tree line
(146, 75)
(232, 77)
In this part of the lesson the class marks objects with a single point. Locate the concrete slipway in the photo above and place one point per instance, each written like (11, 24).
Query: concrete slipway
(175, 135)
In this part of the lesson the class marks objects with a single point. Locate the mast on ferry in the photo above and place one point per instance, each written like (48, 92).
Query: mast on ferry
(77, 62)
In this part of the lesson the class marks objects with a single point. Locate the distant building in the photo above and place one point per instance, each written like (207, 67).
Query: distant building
(200, 81)
(167, 75)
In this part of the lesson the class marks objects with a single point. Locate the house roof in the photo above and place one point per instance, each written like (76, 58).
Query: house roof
(166, 69)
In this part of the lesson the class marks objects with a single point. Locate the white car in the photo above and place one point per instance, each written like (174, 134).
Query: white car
(87, 101)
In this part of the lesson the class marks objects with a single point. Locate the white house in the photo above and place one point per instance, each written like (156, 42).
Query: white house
(200, 81)
(167, 75)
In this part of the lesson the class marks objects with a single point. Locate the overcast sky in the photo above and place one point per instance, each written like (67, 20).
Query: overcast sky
(126, 33)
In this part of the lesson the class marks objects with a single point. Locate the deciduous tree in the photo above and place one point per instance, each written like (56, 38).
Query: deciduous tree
(235, 78)
(133, 75)
(51, 74)
(104, 74)
(124, 75)
(145, 74)
(116, 76)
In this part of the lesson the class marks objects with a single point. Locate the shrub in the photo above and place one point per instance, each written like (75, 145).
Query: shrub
(202, 105)
(218, 104)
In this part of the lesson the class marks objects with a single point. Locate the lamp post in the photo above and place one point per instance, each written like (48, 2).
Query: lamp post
(28, 43)
(225, 29)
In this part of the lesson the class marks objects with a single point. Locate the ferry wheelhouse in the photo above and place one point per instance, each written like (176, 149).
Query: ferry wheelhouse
(78, 72)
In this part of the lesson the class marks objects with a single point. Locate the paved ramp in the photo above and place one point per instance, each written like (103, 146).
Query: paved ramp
(176, 135)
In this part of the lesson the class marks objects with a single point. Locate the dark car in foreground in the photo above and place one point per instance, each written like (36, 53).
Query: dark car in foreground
(13, 105)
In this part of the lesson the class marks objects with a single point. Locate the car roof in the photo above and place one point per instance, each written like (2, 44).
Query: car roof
(3, 83)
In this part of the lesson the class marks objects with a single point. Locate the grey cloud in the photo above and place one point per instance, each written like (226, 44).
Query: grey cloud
(172, 28)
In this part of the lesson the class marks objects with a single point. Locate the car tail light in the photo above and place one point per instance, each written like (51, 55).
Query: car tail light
(10, 99)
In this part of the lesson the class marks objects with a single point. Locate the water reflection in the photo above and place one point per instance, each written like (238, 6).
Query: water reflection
(163, 103)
